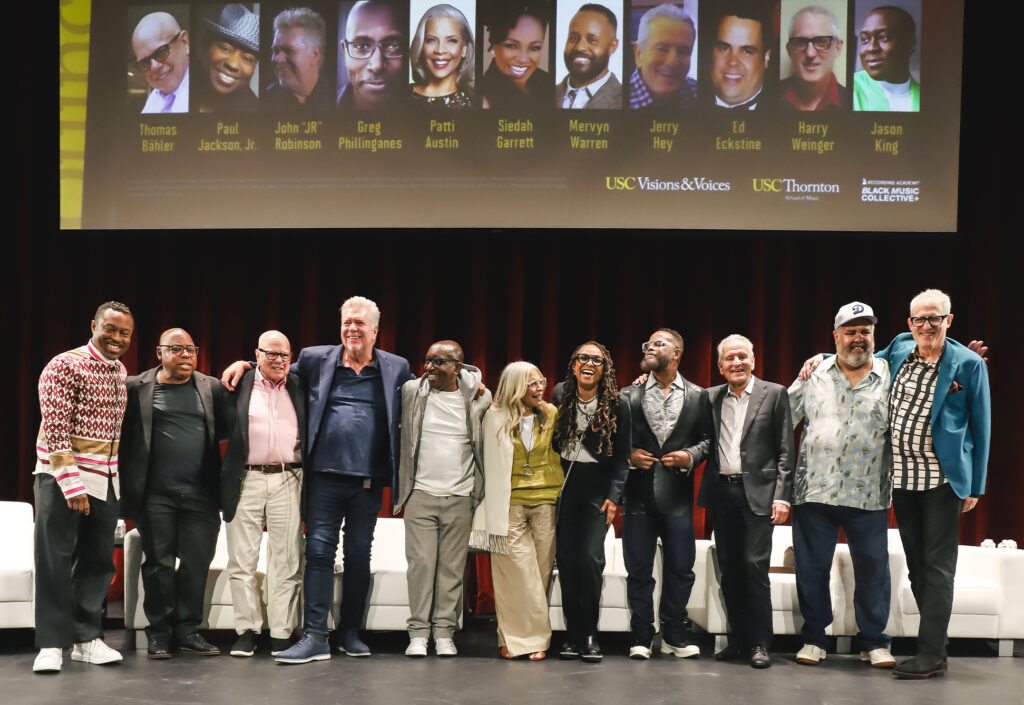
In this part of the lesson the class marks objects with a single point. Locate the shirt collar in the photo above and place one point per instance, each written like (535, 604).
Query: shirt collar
(831, 363)
(747, 391)
(590, 88)
(100, 356)
(264, 382)
(749, 103)
(652, 381)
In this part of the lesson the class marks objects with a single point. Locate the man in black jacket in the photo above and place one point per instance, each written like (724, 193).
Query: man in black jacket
(748, 486)
(170, 471)
(261, 483)
(669, 441)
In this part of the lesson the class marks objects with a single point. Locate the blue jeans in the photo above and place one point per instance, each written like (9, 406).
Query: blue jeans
(332, 499)
(815, 533)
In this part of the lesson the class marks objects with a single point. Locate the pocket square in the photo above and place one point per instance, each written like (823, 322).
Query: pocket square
(955, 387)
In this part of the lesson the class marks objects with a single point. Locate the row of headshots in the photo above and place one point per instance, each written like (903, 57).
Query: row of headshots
(740, 55)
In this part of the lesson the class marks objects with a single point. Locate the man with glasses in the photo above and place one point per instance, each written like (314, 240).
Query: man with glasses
(170, 478)
(669, 441)
(261, 484)
(440, 483)
(355, 405)
(297, 57)
(374, 48)
(888, 38)
(939, 428)
(161, 50)
(814, 45)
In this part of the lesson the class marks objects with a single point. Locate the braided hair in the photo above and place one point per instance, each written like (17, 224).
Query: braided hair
(605, 419)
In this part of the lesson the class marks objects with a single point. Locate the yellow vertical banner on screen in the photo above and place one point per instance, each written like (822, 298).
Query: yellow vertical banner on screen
(74, 73)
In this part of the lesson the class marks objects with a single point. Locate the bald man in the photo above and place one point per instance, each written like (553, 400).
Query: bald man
(161, 49)
(261, 484)
(170, 473)
(440, 482)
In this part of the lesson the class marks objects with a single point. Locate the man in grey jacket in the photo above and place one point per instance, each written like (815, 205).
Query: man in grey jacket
(440, 482)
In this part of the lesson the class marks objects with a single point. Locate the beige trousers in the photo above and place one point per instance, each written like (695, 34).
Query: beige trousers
(271, 499)
(521, 580)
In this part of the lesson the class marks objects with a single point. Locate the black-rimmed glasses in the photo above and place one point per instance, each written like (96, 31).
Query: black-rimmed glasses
(919, 321)
(584, 358)
(437, 361)
(272, 356)
(179, 349)
(363, 49)
(822, 43)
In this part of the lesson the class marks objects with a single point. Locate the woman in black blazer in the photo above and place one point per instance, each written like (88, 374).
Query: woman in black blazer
(592, 435)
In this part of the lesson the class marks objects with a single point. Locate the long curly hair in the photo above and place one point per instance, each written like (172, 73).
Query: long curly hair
(605, 420)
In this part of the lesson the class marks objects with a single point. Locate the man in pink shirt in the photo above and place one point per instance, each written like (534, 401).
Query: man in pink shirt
(261, 483)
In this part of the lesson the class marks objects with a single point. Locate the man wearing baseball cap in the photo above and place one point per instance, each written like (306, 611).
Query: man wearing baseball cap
(842, 480)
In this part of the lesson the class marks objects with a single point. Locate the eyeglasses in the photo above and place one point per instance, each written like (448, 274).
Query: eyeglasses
(437, 361)
(271, 355)
(363, 49)
(179, 349)
(919, 321)
(160, 55)
(823, 43)
(595, 360)
(537, 383)
(656, 344)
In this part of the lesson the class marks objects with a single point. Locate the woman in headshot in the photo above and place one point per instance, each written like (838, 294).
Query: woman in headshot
(233, 43)
(442, 59)
(516, 520)
(592, 435)
(515, 32)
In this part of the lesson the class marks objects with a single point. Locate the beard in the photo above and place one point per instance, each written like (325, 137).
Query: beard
(656, 364)
(597, 65)
(856, 358)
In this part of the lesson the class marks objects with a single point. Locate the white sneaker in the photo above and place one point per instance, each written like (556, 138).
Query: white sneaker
(810, 655)
(417, 646)
(445, 647)
(639, 651)
(879, 658)
(684, 650)
(96, 652)
(48, 661)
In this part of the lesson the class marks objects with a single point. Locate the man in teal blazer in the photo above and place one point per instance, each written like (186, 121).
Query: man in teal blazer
(939, 427)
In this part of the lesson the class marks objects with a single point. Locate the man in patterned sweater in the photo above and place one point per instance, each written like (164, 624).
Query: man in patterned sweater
(82, 399)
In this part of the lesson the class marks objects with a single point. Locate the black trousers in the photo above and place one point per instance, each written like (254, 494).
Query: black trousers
(930, 529)
(176, 528)
(74, 556)
(743, 546)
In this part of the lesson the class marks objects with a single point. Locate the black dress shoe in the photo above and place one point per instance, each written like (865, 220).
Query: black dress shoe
(194, 643)
(159, 646)
(759, 657)
(919, 668)
(591, 650)
(732, 652)
(569, 650)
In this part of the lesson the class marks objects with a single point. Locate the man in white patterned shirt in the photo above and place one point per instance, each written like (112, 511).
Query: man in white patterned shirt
(81, 400)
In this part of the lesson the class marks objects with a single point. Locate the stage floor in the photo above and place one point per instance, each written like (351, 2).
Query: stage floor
(478, 676)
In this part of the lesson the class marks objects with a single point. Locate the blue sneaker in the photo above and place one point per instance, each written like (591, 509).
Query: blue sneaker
(350, 643)
(311, 647)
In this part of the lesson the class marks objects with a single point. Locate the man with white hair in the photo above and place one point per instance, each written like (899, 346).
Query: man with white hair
(748, 487)
(815, 42)
(161, 52)
(664, 43)
(355, 406)
(297, 57)
(939, 428)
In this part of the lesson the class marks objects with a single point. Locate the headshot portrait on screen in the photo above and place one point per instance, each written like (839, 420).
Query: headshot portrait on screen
(230, 54)
(664, 38)
(589, 34)
(741, 49)
(888, 72)
(515, 74)
(297, 59)
(441, 57)
(811, 65)
(373, 41)
(160, 47)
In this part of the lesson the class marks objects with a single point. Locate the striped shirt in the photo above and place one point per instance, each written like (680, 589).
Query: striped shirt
(915, 465)
(82, 397)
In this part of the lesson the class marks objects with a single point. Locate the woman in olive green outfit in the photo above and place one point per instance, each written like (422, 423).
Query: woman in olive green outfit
(516, 520)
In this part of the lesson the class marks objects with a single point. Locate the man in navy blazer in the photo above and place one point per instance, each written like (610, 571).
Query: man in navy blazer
(748, 488)
(939, 427)
(355, 406)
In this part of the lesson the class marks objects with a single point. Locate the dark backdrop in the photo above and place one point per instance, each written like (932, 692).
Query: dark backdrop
(520, 292)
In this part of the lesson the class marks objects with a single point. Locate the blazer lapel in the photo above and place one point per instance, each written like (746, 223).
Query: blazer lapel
(323, 390)
(146, 406)
(244, 398)
(206, 398)
(716, 410)
(299, 404)
(946, 375)
(757, 396)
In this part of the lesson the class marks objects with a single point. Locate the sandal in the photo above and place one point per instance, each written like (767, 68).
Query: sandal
(538, 656)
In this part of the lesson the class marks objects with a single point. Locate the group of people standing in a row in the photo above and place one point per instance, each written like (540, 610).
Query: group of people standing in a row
(315, 438)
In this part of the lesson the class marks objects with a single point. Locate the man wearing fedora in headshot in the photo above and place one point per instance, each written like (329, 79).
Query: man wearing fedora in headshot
(229, 61)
